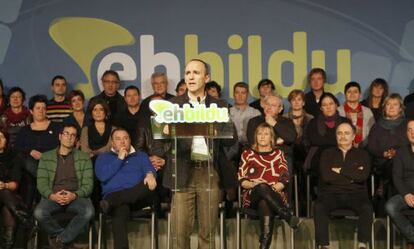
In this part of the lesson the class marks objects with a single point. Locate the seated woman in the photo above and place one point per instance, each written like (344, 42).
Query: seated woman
(16, 115)
(264, 176)
(95, 137)
(34, 139)
(384, 139)
(11, 205)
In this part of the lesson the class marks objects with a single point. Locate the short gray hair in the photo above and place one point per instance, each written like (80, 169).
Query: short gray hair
(158, 74)
(276, 95)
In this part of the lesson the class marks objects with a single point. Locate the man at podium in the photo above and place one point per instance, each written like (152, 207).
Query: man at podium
(194, 174)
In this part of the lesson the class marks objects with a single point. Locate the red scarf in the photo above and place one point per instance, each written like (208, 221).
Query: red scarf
(359, 122)
(17, 119)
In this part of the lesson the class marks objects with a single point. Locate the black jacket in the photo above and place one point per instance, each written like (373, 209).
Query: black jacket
(311, 106)
(116, 103)
(284, 129)
(403, 170)
(355, 170)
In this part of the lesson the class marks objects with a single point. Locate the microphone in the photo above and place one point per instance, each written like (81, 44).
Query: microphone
(199, 99)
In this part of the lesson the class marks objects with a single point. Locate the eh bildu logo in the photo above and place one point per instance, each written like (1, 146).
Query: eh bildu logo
(167, 112)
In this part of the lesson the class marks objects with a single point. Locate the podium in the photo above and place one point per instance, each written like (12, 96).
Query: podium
(192, 175)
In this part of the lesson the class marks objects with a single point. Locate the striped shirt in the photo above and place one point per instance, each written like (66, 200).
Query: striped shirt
(58, 111)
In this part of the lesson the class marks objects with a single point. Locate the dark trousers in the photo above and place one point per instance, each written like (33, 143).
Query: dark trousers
(9, 203)
(357, 202)
(122, 201)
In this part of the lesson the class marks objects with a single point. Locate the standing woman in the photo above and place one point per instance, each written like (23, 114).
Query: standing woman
(11, 204)
(77, 117)
(34, 139)
(95, 138)
(301, 120)
(385, 138)
(263, 176)
(377, 92)
(16, 115)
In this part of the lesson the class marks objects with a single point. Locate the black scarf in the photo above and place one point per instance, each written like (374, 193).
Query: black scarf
(321, 125)
(97, 141)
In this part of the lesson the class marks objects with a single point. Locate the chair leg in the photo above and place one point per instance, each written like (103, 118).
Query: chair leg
(168, 230)
(388, 232)
(355, 238)
(238, 231)
(153, 230)
(295, 177)
(308, 198)
(222, 229)
(373, 233)
(90, 234)
(100, 231)
(36, 237)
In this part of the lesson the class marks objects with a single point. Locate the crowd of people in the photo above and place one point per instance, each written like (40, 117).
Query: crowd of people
(61, 155)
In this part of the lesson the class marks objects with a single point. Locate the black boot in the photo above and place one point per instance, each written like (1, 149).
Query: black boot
(21, 213)
(266, 227)
(279, 207)
(8, 237)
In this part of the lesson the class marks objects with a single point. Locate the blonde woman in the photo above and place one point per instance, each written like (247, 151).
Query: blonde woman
(264, 177)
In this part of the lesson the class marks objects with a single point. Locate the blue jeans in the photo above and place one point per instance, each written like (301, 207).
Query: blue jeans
(394, 208)
(83, 209)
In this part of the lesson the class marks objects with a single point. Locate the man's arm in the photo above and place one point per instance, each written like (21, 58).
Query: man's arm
(86, 181)
(327, 170)
(285, 129)
(358, 172)
(107, 166)
(44, 185)
(398, 173)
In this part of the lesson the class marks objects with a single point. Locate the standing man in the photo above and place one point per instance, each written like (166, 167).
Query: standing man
(403, 177)
(241, 112)
(129, 117)
(316, 81)
(159, 83)
(265, 87)
(198, 187)
(344, 171)
(110, 82)
(361, 116)
(65, 182)
(58, 107)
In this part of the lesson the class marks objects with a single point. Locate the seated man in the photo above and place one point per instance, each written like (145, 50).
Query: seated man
(65, 182)
(126, 177)
(344, 171)
(403, 178)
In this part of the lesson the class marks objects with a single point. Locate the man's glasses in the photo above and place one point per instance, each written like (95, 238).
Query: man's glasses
(67, 134)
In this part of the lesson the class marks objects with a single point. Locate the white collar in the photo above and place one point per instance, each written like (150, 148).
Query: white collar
(132, 150)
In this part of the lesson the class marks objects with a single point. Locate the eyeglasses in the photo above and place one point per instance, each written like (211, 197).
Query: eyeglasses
(67, 134)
